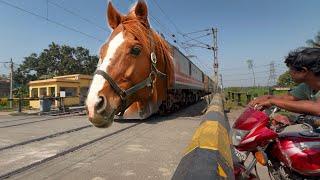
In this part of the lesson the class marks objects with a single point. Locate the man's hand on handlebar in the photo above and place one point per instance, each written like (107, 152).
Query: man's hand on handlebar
(259, 100)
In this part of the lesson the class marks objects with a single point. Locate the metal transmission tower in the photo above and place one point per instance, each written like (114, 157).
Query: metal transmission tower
(272, 75)
(250, 67)
(215, 56)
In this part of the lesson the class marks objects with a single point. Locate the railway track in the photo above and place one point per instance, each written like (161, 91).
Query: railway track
(45, 137)
(21, 119)
(38, 150)
(60, 153)
(56, 116)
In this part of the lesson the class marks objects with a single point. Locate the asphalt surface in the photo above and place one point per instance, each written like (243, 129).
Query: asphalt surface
(67, 147)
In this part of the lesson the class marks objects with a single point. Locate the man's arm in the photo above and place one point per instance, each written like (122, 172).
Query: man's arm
(298, 106)
(265, 98)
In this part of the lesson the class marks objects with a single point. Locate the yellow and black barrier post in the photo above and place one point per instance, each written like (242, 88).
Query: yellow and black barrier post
(208, 156)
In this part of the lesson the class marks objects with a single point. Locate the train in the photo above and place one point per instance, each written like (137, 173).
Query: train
(190, 83)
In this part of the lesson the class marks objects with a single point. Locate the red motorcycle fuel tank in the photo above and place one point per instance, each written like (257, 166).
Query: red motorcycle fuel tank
(250, 131)
(299, 151)
(249, 119)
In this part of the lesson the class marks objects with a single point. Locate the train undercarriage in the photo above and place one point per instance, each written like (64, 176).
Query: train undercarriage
(179, 98)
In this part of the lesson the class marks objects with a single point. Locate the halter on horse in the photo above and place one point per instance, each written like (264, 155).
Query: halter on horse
(122, 84)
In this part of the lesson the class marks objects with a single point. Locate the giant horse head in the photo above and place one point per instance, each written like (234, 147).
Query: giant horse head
(134, 70)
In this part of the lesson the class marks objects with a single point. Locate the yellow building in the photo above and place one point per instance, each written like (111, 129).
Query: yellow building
(75, 87)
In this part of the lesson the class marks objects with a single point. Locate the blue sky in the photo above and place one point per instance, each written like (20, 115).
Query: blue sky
(263, 31)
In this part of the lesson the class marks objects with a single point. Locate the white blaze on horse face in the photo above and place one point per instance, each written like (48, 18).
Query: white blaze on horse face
(98, 81)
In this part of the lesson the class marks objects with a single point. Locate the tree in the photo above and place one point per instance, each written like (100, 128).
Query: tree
(285, 80)
(315, 42)
(55, 61)
(250, 66)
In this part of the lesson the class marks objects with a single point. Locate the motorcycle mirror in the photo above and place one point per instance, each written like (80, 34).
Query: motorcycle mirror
(273, 109)
(270, 111)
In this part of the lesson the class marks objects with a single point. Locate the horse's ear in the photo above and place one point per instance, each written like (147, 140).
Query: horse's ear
(114, 17)
(141, 10)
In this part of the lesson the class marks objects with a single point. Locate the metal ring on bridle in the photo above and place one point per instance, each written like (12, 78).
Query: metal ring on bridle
(153, 57)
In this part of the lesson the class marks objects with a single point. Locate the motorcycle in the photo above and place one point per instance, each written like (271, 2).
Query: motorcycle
(287, 155)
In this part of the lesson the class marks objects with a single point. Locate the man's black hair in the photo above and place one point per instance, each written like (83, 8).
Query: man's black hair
(306, 57)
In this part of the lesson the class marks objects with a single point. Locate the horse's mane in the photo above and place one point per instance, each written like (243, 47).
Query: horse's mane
(142, 32)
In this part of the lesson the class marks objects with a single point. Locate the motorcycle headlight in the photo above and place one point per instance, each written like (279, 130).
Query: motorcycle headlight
(238, 135)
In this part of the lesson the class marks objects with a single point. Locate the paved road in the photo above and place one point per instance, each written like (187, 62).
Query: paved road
(148, 149)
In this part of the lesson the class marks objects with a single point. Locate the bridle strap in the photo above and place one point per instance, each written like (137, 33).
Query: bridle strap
(145, 83)
(112, 83)
(124, 94)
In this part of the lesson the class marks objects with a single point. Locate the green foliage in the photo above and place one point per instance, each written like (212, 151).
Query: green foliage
(21, 91)
(315, 42)
(3, 102)
(57, 60)
(253, 91)
(285, 80)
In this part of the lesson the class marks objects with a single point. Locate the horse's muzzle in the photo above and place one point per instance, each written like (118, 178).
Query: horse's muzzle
(99, 116)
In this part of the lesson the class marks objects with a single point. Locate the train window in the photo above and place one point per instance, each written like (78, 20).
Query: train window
(202, 77)
(189, 69)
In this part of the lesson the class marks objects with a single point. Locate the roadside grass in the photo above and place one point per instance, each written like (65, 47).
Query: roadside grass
(253, 91)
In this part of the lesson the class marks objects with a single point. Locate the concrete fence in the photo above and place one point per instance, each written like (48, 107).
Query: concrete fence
(208, 156)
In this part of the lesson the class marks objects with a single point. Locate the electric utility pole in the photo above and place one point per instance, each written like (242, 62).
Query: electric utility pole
(215, 56)
(221, 84)
(11, 82)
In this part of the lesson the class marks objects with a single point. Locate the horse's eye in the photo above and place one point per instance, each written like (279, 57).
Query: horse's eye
(136, 50)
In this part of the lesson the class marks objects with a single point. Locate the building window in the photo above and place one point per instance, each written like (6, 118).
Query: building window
(43, 92)
(52, 92)
(70, 91)
(34, 92)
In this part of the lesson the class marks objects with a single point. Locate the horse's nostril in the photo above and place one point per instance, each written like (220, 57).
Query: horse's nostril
(100, 105)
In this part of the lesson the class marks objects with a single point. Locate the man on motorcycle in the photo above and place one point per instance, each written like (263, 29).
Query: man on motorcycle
(304, 68)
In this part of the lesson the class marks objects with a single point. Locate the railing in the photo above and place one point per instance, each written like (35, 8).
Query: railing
(239, 97)
(19, 103)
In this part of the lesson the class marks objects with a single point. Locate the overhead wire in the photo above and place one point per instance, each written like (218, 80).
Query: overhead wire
(177, 30)
(77, 15)
(243, 79)
(187, 50)
(196, 40)
(50, 20)
(255, 66)
(170, 33)
(198, 31)
(235, 74)
(167, 17)
(198, 37)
